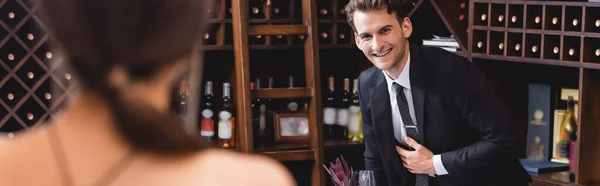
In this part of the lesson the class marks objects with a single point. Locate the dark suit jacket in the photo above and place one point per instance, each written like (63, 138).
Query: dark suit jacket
(458, 117)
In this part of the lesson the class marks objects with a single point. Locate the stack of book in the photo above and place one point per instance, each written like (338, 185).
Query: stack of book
(447, 43)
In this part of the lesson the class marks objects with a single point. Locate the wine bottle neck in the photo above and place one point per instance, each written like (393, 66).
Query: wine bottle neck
(226, 90)
(208, 88)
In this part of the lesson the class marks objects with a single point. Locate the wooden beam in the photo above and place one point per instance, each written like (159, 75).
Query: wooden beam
(313, 80)
(282, 93)
(277, 30)
(291, 155)
(242, 79)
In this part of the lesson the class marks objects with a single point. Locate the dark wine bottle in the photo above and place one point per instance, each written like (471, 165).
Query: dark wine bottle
(342, 114)
(329, 111)
(207, 123)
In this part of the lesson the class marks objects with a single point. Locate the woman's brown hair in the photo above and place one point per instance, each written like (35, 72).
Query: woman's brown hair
(141, 35)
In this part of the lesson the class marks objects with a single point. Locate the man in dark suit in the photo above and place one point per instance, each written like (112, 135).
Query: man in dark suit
(429, 116)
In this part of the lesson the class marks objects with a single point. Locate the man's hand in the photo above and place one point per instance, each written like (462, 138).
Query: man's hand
(419, 161)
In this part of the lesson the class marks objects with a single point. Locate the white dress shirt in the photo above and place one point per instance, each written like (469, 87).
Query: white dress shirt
(399, 132)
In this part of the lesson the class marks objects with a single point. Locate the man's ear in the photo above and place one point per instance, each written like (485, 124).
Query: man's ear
(406, 27)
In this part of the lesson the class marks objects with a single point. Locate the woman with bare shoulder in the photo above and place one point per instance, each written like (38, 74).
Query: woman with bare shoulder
(117, 128)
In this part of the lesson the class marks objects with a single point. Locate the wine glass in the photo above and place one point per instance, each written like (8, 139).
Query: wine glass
(362, 178)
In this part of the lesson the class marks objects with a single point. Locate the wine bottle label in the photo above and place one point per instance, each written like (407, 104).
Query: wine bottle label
(354, 109)
(207, 113)
(207, 127)
(342, 117)
(355, 120)
(329, 115)
(225, 125)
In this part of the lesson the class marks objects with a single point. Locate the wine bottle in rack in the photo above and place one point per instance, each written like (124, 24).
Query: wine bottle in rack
(553, 17)
(344, 34)
(480, 14)
(514, 44)
(325, 9)
(226, 116)
(355, 122)
(534, 17)
(479, 41)
(592, 20)
(280, 9)
(551, 47)
(262, 108)
(183, 95)
(257, 40)
(497, 43)
(571, 47)
(256, 9)
(207, 123)
(341, 9)
(532, 45)
(325, 33)
(255, 107)
(515, 16)
(209, 37)
(573, 18)
(342, 114)
(292, 104)
(268, 112)
(329, 111)
(463, 11)
(497, 15)
(228, 10)
(324, 13)
(299, 39)
(270, 86)
(591, 49)
(279, 40)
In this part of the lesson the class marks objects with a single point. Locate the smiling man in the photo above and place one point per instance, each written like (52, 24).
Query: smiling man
(429, 116)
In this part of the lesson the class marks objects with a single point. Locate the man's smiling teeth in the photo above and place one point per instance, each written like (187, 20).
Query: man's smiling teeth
(383, 54)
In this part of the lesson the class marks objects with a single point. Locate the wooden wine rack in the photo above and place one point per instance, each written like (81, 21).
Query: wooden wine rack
(555, 42)
(542, 32)
(33, 81)
(334, 31)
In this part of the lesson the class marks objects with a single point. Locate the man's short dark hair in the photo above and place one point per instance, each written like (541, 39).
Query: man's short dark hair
(400, 7)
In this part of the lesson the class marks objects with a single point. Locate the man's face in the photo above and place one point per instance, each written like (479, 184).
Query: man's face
(381, 37)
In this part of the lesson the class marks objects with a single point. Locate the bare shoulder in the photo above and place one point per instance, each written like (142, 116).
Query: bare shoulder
(17, 153)
(249, 169)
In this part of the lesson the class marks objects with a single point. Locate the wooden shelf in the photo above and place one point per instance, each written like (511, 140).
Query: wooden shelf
(292, 155)
(287, 152)
(555, 178)
(331, 21)
(279, 47)
(342, 144)
(282, 93)
(557, 3)
(537, 31)
(338, 46)
(277, 30)
(537, 61)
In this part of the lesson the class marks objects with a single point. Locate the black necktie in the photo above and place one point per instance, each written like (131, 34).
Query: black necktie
(411, 128)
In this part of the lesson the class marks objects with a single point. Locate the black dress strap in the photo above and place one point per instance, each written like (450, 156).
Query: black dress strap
(65, 171)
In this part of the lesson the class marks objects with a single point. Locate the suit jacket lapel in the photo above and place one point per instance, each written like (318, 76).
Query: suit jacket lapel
(417, 83)
(382, 122)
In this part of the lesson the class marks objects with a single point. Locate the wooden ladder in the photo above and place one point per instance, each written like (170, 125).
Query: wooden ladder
(241, 31)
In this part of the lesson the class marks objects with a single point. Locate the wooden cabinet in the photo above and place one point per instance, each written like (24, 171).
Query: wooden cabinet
(546, 42)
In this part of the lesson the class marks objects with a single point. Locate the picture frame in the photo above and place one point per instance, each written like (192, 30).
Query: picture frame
(291, 127)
